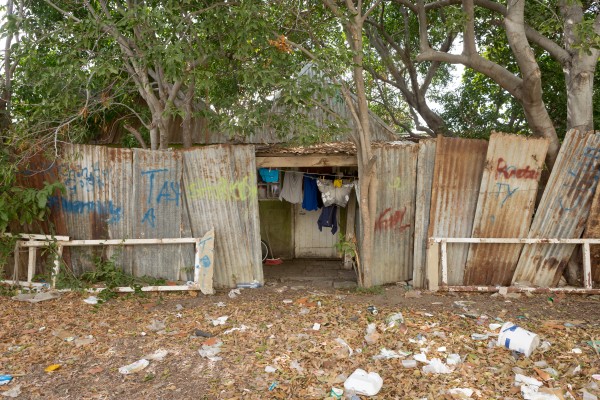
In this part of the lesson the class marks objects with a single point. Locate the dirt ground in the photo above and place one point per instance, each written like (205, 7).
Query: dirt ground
(280, 334)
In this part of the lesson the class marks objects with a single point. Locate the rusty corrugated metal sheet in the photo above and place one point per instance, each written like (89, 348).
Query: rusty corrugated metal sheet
(157, 212)
(120, 195)
(592, 230)
(456, 178)
(563, 210)
(425, 165)
(86, 207)
(394, 222)
(221, 192)
(505, 206)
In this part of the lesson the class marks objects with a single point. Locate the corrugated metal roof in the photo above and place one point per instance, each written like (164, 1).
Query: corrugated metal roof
(221, 192)
(394, 222)
(157, 212)
(426, 162)
(563, 210)
(457, 175)
(505, 206)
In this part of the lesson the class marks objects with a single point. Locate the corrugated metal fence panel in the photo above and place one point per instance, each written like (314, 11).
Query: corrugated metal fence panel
(425, 164)
(157, 205)
(221, 192)
(592, 230)
(86, 206)
(456, 178)
(505, 206)
(563, 210)
(120, 197)
(394, 223)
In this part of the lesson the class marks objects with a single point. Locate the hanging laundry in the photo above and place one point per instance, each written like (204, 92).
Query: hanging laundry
(328, 219)
(334, 195)
(292, 187)
(311, 193)
(337, 183)
(269, 175)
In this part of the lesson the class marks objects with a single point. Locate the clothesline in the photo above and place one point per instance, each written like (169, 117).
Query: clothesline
(313, 173)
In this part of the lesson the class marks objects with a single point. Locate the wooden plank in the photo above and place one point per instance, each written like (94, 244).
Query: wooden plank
(306, 161)
(433, 265)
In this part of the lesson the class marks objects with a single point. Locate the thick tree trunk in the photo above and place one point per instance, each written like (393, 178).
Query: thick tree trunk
(580, 89)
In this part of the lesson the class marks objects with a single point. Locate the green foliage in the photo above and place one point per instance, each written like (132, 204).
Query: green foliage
(373, 290)
(345, 246)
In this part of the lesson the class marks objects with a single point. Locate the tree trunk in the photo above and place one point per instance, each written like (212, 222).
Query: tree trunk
(154, 137)
(579, 70)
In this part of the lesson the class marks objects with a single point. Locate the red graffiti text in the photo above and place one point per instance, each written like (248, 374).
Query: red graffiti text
(510, 171)
(391, 220)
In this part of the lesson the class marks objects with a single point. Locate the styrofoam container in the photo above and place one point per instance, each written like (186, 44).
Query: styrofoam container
(363, 383)
(516, 338)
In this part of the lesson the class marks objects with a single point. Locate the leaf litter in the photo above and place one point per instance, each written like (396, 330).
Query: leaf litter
(266, 343)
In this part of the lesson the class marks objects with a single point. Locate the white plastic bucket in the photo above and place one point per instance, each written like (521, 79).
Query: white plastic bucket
(516, 338)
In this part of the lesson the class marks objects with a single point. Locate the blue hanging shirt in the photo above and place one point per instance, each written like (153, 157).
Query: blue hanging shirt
(310, 201)
(269, 175)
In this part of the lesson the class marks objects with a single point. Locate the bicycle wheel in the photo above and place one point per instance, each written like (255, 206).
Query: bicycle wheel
(265, 249)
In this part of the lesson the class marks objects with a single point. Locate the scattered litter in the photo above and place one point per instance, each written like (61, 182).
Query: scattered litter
(372, 336)
(91, 300)
(84, 341)
(441, 349)
(221, 304)
(36, 297)
(493, 327)
(480, 336)
(518, 339)
(545, 346)
(52, 367)
(269, 369)
(5, 379)
(281, 289)
(233, 293)
(336, 393)
(156, 325)
(273, 385)
(421, 357)
(409, 363)
(251, 285)
(394, 320)
(386, 354)
(220, 320)
(134, 367)
(596, 377)
(453, 359)
(344, 344)
(210, 349)
(316, 326)
(178, 307)
(304, 311)
(158, 355)
(13, 392)
(594, 344)
(241, 328)
(461, 393)
(588, 396)
(576, 350)
(201, 333)
(288, 301)
(363, 383)
(294, 364)
(373, 310)
(436, 366)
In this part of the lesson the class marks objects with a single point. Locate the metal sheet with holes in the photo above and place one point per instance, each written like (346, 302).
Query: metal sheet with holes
(425, 165)
(456, 178)
(394, 220)
(505, 206)
(221, 192)
(157, 212)
(563, 210)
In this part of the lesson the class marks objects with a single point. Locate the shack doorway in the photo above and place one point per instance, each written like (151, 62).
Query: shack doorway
(302, 236)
